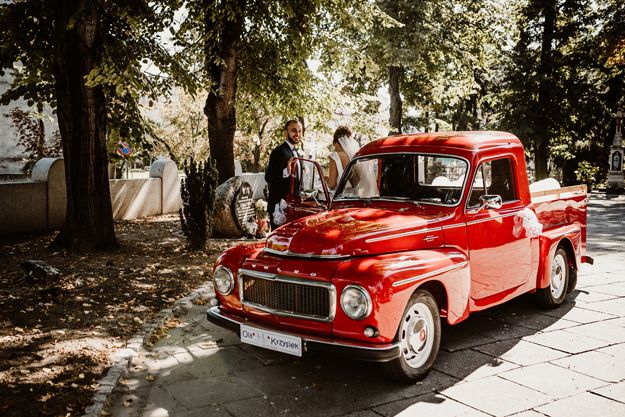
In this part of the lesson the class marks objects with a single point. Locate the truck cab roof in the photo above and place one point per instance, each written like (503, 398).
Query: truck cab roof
(462, 142)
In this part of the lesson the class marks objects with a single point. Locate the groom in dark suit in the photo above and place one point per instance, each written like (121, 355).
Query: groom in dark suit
(281, 164)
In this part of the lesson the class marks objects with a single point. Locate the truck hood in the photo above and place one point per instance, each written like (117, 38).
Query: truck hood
(355, 232)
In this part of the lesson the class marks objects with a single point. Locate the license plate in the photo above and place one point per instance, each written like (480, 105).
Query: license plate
(271, 340)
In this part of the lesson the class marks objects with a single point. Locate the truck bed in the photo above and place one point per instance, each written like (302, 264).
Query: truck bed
(562, 208)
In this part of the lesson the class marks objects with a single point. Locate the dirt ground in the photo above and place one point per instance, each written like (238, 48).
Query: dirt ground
(56, 334)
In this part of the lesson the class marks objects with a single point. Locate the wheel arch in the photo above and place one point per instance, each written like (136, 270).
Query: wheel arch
(566, 244)
(569, 241)
(439, 292)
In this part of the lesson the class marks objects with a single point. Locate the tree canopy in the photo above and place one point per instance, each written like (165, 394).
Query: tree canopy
(89, 60)
(551, 71)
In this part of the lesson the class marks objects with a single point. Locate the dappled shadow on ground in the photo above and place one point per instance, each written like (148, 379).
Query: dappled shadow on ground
(212, 372)
(56, 334)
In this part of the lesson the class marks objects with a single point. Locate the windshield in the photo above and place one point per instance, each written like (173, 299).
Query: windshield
(424, 178)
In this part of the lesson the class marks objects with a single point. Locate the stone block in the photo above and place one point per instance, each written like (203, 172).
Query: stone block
(135, 198)
(615, 392)
(595, 364)
(23, 206)
(521, 352)
(555, 381)
(583, 405)
(566, 341)
(167, 171)
(496, 396)
(431, 405)
(470, 365)
(52, 172)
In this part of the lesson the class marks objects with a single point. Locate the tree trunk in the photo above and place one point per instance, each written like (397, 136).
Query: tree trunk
(81, 114)
(545, 73)
(394, 77)
(220, 103)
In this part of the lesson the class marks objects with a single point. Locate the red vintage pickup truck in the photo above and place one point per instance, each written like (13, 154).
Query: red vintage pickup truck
(421, 227)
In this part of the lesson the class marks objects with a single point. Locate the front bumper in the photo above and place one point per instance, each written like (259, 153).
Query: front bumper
(314, 344)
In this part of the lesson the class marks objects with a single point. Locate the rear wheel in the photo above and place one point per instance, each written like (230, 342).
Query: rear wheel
(419, 337)
(553, 295)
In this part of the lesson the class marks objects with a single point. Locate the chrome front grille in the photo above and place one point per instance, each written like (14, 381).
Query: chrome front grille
(287, 296)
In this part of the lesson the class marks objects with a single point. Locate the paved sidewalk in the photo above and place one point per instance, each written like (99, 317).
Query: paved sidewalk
(512, 360)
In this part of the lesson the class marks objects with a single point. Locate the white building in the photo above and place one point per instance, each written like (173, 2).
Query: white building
(11, 154)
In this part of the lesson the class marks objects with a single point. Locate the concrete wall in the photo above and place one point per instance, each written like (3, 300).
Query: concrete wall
(136, 198)
(40, 203)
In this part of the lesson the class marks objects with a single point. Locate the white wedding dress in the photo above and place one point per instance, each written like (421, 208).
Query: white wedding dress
(339, 165)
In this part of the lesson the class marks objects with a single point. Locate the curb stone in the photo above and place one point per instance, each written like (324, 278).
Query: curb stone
(122, 358)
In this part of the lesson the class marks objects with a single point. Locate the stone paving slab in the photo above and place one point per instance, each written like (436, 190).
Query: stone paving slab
(601, 330)
(581, 314)
(567, 341)
(615, 307)
(469, 365)
(585, 296)
(595, 364)
(552, 380)
(516, 360)
(617, 350)
(432, 405)
(496, 396)
(521, 352)
(583, 405)
(615, 392)
(616, 289)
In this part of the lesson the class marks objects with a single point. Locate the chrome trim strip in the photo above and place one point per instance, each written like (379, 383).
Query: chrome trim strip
(431, 273)
(493, 218)
(572, 229)
(354, 345)
(304, 255)
(453, 226)
(305, 338)
(403, 234)
(292, 280)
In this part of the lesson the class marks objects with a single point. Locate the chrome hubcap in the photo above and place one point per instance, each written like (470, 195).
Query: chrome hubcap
(558, 275)
(416, 335)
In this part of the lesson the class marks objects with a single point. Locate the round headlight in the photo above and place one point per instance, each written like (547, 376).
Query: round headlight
(355, 302)
(223, 280)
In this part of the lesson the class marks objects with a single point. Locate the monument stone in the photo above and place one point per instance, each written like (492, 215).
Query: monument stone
(615, 161)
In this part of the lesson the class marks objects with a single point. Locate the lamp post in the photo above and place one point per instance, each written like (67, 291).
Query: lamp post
(615, 161)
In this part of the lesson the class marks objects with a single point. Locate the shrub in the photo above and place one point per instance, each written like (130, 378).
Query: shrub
(586, 173)
(198, 201)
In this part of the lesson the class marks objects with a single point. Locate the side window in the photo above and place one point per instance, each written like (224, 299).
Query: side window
(311, 180)
(479, 187)
(493, 177)
(502, 181)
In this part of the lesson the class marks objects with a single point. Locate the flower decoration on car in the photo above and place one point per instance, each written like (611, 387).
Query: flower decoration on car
(262, 220)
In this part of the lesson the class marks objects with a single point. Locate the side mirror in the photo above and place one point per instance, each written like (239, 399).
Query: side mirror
(490, 201)
(309, 194)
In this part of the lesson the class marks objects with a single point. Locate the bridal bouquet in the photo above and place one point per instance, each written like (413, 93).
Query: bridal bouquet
(279, 215)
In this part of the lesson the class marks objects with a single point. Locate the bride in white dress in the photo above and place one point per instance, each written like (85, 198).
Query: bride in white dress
(345, 147)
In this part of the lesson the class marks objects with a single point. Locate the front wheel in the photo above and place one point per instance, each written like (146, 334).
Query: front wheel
(553, 295)
(419, 337)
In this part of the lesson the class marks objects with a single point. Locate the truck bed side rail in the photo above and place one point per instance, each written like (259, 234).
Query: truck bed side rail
(557, 193)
